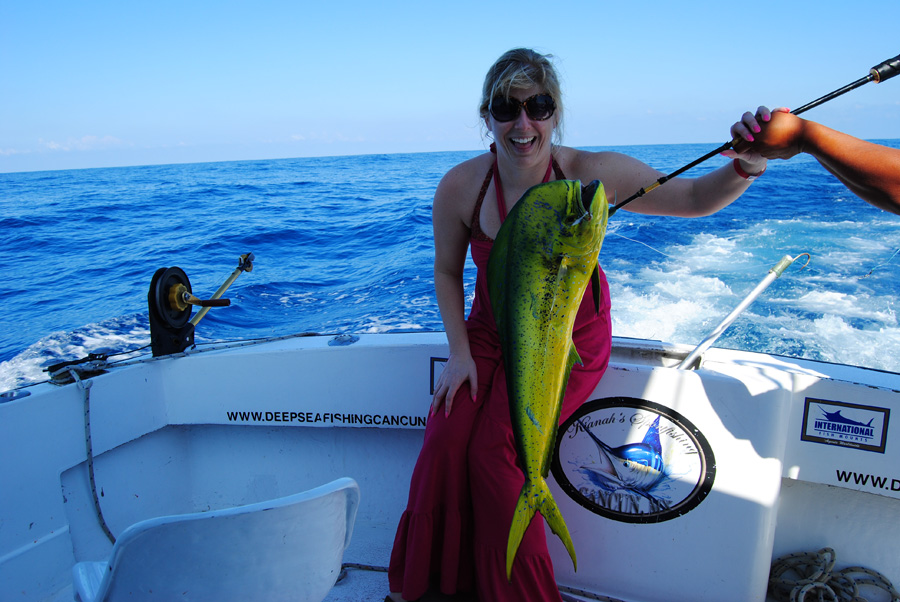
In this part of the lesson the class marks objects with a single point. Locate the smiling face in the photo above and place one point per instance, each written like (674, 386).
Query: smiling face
(523, 138)
(520, 74)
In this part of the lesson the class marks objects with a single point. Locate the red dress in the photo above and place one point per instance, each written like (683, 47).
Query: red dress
(465, 484)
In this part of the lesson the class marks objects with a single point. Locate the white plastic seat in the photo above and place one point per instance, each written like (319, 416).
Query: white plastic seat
(290, 548)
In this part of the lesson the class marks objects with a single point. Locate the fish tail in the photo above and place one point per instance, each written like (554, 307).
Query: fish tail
(521, 519)
(554, 518)
(533, 497)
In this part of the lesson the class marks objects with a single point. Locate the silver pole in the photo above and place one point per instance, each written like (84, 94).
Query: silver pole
(774, 273)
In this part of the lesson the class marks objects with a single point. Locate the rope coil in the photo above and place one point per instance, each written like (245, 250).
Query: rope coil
(814, 575)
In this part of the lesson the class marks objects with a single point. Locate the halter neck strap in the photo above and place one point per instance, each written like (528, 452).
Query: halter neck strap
(498, 187)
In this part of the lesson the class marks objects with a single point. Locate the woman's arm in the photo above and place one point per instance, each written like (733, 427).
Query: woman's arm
(623, 176)
(451, 241)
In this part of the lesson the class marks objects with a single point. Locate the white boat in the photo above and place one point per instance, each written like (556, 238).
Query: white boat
(751, 457)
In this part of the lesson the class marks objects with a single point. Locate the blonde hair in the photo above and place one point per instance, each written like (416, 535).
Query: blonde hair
(520, 69)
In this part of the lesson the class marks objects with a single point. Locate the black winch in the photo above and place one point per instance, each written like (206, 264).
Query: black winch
(170, 300)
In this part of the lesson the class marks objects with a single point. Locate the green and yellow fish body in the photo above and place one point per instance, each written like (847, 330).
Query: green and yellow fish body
(542, 260)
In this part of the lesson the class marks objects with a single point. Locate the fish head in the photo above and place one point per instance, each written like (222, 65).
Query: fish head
(584, 218)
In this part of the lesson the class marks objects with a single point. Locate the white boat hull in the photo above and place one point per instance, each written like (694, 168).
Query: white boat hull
(238, 425)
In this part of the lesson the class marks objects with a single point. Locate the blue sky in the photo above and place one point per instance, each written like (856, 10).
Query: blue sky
(92, 84)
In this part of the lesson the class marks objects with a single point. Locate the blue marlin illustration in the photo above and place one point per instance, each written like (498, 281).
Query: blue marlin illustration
(636, 467)
(836, 417)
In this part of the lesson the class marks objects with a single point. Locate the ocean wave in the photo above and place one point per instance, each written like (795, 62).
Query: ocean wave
(344, 244)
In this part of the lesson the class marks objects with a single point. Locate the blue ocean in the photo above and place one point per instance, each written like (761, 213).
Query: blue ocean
(344, 245)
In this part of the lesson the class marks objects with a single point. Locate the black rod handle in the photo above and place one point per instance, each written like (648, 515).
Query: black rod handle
(885, 70)
(879, 73)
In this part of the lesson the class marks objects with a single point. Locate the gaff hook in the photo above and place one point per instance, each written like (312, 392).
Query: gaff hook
(774, 272)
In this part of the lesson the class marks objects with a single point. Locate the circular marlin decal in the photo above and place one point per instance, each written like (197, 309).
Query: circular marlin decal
(633, 460)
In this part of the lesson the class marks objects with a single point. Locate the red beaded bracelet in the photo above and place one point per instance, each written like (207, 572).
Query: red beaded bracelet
(744, 174)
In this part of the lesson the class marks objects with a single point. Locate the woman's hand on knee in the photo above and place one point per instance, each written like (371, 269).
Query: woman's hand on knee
(456, 373)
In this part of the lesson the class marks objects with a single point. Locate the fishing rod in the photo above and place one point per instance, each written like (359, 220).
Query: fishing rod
(879, 73)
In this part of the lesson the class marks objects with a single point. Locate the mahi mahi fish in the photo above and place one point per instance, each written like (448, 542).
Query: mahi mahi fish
(542, 260)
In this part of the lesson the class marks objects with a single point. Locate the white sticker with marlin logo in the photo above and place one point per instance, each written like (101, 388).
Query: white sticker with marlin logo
(633, 460)
(845, 424)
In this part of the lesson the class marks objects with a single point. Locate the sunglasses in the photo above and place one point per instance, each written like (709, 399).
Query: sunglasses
(538, 107)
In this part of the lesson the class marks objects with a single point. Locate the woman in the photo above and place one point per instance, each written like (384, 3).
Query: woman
(463, 491)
